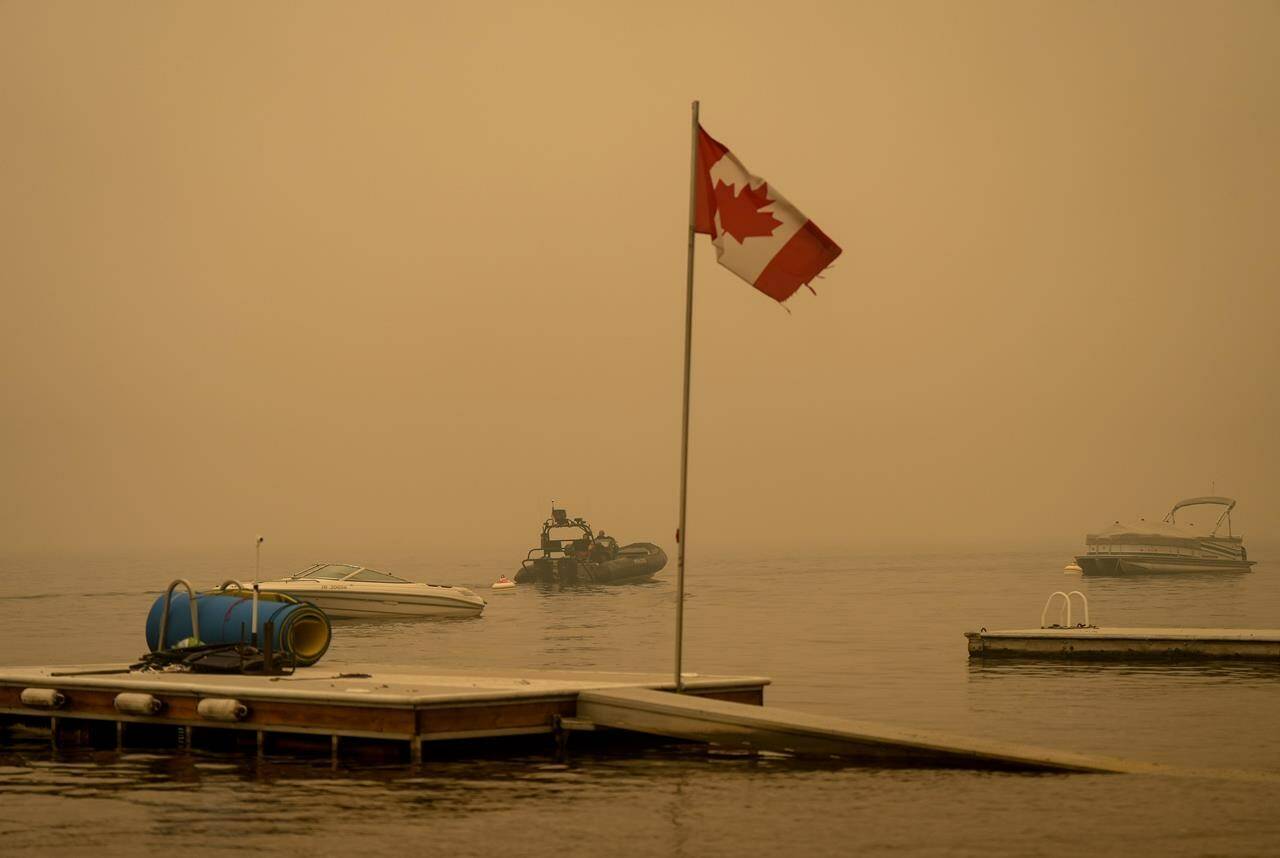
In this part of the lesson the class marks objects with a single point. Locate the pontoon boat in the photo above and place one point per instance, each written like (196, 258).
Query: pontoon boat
(1167, 546)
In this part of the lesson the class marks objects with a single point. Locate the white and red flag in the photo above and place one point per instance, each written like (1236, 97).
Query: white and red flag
(758, 235)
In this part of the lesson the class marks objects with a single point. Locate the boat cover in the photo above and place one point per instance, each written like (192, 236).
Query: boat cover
(1152, 533)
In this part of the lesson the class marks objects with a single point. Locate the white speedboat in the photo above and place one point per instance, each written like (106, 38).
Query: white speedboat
(341, 590)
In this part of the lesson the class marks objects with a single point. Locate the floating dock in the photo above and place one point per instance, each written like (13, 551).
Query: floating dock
(408, 714)
(388, 704)
(1127, 643)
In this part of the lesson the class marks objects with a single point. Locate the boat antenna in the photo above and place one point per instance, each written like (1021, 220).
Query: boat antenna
(257, 559)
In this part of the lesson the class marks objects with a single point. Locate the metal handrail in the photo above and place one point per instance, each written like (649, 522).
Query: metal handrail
(1066, 606)
(1084, 602)
(1065, 617)
(162, 642)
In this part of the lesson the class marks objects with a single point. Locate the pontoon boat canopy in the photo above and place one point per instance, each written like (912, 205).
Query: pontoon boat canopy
(1150, 533)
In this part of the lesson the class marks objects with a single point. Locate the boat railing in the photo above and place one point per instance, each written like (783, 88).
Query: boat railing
(1065, 611)
(536, 554)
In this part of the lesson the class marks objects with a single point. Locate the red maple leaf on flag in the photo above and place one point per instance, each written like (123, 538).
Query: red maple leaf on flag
(740, 214)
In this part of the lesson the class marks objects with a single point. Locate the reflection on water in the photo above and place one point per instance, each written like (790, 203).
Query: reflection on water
(872, 638)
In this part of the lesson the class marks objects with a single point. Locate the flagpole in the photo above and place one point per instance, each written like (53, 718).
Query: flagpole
(682, 536)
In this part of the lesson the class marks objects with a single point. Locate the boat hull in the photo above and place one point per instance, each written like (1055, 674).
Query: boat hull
(637, 562)
(339, 604)
(1138, 564)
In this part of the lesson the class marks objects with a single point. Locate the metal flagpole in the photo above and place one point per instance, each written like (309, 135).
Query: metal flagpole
(682, 536)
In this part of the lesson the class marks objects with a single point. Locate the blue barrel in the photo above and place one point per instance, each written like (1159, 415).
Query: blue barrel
(300, 629)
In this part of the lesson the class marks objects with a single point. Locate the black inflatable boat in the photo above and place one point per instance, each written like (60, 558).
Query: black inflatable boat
(569, 553)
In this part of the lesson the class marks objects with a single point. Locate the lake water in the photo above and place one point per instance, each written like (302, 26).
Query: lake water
(876, 638)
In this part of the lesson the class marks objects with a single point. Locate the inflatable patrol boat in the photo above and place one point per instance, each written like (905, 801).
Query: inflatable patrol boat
(569, 553)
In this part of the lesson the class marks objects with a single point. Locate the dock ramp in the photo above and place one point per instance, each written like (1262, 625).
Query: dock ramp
(738, 725)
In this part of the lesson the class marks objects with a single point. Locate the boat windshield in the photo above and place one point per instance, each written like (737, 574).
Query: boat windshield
(373, 576)
(328, 572)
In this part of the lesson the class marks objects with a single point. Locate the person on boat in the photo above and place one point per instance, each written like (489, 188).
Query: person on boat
(598, 553)
(604, 548)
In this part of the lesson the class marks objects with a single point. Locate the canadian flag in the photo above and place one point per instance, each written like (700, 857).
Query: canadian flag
(758, 234)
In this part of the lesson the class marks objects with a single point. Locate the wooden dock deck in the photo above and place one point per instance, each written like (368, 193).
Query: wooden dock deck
(1127, 643)
(399, 704)
(401, 710)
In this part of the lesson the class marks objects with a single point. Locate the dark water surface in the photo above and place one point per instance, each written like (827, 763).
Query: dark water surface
(876, 638)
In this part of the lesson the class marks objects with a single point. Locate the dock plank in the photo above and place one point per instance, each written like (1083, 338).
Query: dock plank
(764, 728)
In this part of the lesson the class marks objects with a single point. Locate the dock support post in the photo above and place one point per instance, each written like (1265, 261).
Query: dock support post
(333, 750)
(53, 732)
(415, 750)
(119, 735)
(262, 743)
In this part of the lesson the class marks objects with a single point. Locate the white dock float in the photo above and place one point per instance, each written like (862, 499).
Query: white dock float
(762, 728)
(1127, 643)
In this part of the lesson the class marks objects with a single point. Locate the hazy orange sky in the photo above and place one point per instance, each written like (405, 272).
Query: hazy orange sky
(400, 273)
